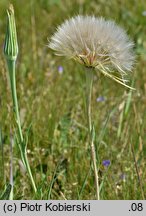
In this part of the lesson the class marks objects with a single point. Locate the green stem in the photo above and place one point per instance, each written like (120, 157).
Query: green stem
(11, 168)
(11, 67)
(22, 146)
(2, 159)
(89, 84)
(25, 159)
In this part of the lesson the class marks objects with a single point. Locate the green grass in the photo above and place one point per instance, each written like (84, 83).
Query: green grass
(53, 114)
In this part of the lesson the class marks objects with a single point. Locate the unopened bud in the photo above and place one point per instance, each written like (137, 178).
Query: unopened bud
(11, 44)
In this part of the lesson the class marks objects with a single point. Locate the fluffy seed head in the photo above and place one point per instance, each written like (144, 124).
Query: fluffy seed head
(94, 42)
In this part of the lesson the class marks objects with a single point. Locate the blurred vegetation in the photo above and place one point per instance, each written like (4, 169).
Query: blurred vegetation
(52, 107)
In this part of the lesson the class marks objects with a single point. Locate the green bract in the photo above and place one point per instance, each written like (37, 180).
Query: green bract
(11, 44)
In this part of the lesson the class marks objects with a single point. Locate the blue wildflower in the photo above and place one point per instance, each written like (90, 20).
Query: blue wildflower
(60, 69)
(123, 176)
(106, 163)
(100, 99)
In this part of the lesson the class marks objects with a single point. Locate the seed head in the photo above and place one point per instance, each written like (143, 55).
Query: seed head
(95, 42)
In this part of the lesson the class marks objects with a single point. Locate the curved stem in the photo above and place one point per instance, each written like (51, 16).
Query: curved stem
(25, 159)
(22, 146)
(89, 83)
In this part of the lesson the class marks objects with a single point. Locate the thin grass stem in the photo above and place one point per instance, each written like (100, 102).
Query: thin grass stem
(137, 172)
(2, 170)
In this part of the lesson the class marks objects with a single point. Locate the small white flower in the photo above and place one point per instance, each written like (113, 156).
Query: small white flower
(144, 13)
(95, 42)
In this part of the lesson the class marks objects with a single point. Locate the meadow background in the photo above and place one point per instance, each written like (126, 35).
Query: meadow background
(52, 106)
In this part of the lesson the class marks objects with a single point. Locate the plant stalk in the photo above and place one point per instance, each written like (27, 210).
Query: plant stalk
(22, 146)
(89, 84)
(11, 168)
(2, 172)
